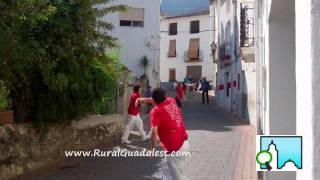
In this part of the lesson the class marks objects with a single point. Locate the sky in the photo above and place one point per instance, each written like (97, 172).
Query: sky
(182, 7)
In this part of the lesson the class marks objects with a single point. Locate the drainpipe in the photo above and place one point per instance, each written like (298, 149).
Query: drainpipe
(258, 68)
(218, 52)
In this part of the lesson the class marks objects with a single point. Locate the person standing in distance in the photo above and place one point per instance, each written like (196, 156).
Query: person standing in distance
(179, 95)
(205, 85)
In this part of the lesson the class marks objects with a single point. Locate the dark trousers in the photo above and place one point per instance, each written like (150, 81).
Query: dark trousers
(205, 93)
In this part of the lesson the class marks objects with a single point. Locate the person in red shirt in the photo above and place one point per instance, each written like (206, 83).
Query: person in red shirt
(179, 95)
(167, 124)
(134, 117)
(184, 87)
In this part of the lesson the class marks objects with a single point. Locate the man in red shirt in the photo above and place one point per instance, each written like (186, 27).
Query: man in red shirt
(179, 94)
(167, 124)
(134, 117)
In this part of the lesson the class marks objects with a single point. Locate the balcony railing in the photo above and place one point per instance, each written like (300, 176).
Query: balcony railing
(247, 44)
(224, 54)
(248, 54)
(171, 55)
(199, 58)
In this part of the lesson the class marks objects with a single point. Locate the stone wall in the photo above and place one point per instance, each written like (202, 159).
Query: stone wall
(23, 149)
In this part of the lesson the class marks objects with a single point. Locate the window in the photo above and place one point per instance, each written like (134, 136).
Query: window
(193, 51)
(125, 23)
(137, 23)
(226, 77)
(132, 17)
(173, 29)
(194, 27)
(172, 74)
(172, 49)
(228, 89)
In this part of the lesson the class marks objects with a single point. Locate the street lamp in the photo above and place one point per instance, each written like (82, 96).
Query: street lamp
(213, 48)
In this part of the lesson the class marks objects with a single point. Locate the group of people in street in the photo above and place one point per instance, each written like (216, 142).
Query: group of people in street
(188, 84)
(166, 125)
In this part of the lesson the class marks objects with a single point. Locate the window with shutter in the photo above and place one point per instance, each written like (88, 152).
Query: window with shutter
(132, 17)
(172, 49)
(194, 27)
(173, 29)
(193, 51)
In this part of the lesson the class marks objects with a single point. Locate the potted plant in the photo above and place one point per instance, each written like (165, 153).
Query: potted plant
(144, 63)
(6, 114)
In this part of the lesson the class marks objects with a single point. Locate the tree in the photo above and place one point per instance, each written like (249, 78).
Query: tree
(53, 56)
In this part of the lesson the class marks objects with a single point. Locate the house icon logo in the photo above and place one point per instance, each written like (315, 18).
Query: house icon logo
(279, 153)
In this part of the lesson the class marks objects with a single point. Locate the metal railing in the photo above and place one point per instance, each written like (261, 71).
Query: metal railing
(225, 51)
(199, 58)
(169, 55)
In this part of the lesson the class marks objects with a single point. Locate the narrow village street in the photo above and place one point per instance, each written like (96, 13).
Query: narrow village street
(221, 149)
(78, 80)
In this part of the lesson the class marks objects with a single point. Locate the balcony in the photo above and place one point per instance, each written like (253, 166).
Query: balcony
(198, 58)
(247, 40)
(248, 54)
(171, 55)
(224, 54)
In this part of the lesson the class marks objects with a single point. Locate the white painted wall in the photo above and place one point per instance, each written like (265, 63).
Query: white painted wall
(133, 40)
(226, 15)
(242, 102)
(182, 44)
(315, 45)
(247, 88)
(279, 61)
(304, 85)
(277, 72)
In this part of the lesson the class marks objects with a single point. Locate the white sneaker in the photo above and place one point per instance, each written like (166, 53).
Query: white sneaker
(125, 141)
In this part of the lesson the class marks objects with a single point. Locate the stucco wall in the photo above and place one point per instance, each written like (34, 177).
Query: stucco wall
(240, 101)
(315, 25)
(277, 68)
(225, 15)
(133, 40)
(282, 97)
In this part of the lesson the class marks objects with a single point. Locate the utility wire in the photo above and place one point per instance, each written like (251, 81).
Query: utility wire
(189, 31)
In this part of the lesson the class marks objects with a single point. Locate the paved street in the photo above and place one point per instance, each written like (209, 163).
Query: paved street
(214, 141)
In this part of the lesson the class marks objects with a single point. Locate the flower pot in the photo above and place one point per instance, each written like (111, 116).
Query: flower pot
(6, 117)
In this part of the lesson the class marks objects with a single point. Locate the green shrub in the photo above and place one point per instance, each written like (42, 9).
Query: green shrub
(114, 68)
(4, 93)
(52, 57)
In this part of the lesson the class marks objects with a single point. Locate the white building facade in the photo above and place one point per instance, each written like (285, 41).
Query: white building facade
(137, 31)
(234, 55)
(185, 47)
(287, 59)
